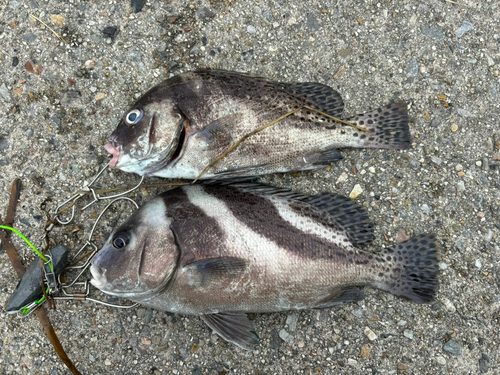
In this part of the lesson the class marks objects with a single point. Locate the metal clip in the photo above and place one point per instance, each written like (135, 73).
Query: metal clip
(87, 188)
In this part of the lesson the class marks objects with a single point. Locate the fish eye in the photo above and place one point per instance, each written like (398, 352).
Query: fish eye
(134, 116)
(122, 239)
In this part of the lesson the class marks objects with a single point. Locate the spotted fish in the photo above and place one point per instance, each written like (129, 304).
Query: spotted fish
(185, 123)
(223, 251)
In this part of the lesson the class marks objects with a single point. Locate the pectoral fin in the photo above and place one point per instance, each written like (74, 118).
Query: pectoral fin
(219, 132)
(211, 272)
(233, 327)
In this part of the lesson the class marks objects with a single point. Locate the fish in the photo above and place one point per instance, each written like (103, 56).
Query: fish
(183, 125)
(222, 251)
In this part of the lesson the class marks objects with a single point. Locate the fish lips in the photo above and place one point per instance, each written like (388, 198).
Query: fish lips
(169, 160)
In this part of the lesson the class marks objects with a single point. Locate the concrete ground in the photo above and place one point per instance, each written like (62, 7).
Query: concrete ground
(59, 102)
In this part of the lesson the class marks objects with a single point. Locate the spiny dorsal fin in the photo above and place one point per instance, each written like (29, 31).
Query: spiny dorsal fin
(341, 211)
(324, 97)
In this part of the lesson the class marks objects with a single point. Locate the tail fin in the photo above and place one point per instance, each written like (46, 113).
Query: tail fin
(415, 269)
(388, 127)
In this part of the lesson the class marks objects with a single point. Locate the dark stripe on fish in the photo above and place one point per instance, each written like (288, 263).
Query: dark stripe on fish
(261, 216)
(198, 236)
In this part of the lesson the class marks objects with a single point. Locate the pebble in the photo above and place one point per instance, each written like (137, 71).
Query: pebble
(15, 61)
(454, 127)
(30, 37)
(107, 362)
(110, 31)
(356, 191)
(466, 26)
(62, 177)
(448, 305)
(460, 186)
(284, 335)
(426, 208)
(433, 32)
(494, 92)
(459, 167)
(251, 29)
(465, 113)
(478, 263)
(441, 360)
(4, 93)
(358, 313)
(402, 236)
(75, 321)
(137, 5)
(204, 12)
(408, 333)
(312, 23)
(453, 347)
(100, 96)
(291, 321)
(300, 344)
(436, 160)
(412, 67)
(4, 143)
(365, 351)
(370, 334)
(342, 178)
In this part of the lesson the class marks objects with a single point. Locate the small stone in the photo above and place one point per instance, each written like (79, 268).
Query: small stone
(110, 31)
(370, 334)
(459, 167)
(107, 362)
(312, 23)
(356, 191)
(449, 305)
(30, 37)
(75, 321)
(494, 92)
(460, 186)
(204, 12)
(291, 321)
(453, 347)
(408, 333)
(412, 69)
(342, 178)
(251, 29)
(15, 61)
(433, 32)
(284, 335)
(145, 341)
(478, 263)
(4, 93)
(137, 5)
(466, 26)
(441, 360)
(436, 160)
(57, 19)
(365, 351)
(480, 215)
(426, 208)
(465, 113)
(100, 96)
(454, 127)
(300, 344)
(402, 367)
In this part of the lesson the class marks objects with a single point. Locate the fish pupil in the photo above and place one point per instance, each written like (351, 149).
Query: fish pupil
(132, 117)
(121, 241)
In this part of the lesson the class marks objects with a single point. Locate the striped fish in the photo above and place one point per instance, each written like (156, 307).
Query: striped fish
(222, 251)
(179, 127)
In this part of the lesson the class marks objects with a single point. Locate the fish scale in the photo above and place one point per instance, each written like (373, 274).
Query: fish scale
(197, 116)
(230, 249)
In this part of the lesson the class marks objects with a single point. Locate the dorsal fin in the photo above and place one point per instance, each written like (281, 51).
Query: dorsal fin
(338, 210)
(346, 214)
(325, 98)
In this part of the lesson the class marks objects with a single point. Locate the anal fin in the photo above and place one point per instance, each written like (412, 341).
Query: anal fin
(340, 296)
(233, 327)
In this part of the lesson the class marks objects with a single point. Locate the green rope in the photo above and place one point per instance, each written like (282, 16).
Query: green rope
(29, 243)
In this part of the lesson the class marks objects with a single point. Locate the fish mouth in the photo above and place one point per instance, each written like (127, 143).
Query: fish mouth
(98, 276)
(113, 150)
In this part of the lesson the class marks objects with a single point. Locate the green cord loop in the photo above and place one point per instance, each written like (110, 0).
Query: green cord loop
(29, 243)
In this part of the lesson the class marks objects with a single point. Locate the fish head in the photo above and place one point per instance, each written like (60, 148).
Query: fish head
(150, 136)
(140, 257)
